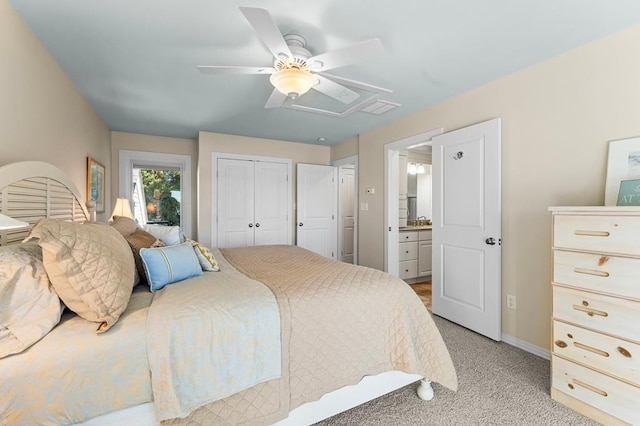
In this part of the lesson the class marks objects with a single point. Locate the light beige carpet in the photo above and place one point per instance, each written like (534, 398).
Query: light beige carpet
(499, 385)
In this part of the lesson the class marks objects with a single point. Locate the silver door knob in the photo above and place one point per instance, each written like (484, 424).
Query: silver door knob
(251, 225)
(300, 224)
(257, 225)
(490, 241)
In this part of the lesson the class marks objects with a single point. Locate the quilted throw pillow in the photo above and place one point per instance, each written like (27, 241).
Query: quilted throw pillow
(167, 265)
(29, 308)
(205, 257)
(90, 266)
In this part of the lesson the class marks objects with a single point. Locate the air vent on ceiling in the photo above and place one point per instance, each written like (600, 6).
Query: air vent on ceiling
(380, 107)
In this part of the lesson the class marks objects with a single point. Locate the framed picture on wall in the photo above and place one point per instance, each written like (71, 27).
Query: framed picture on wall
(96, 176)
(623, 164)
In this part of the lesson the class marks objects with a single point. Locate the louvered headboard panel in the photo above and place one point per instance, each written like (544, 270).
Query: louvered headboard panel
(31, 190)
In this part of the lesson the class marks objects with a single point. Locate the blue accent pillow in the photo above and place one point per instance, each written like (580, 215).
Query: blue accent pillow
(167, 265)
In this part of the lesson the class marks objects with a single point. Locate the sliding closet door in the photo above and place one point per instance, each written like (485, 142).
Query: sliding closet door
(271, 218)
(235, 203)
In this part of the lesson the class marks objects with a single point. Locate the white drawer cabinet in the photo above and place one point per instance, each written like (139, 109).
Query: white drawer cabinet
(596, 312)
(415, 254)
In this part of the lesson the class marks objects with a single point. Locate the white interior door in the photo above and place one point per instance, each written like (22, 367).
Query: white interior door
(346, 211)
(467, 227)
(235, 203)
(271, 217)
(317, 209)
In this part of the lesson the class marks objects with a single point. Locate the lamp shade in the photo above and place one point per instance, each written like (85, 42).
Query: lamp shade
(122, 208)
(412, 169)
(7, 222)
(292, 82)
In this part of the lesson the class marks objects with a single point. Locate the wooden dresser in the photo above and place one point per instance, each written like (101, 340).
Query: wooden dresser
(596, 312)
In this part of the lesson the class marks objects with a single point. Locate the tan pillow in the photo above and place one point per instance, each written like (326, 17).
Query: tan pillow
(90, 266)
(141, 239)
(124, 225)
(29, 308)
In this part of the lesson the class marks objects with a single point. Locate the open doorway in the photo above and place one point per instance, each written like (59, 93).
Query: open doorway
(393, 183)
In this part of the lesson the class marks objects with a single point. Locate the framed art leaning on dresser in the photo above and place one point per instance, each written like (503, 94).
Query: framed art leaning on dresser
(595, 343)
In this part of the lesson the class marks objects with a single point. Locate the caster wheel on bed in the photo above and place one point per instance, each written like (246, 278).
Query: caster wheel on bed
(425, 391)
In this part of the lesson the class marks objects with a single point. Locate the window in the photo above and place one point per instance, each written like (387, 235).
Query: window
(156, 195)
(158, 186)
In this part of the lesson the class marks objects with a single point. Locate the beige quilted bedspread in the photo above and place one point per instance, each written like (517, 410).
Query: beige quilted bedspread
(340, 323)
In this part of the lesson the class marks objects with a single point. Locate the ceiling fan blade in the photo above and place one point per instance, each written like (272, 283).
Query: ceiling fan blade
(335, 90)
(265, 26)
(276, 100)
(346, 55)
(228, 70)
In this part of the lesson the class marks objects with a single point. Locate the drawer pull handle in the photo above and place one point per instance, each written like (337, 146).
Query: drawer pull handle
(590, 312)
(561, 343)
(624, 352)
(591, 272)
(589, 387)
(591, 233)
(591, 349)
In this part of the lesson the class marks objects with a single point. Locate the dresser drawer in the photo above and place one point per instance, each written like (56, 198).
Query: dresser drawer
(408, 251)
(408, 236)
(611, 234)
(611, 315)
(408, 269)
(607, 274)
(425, 235)
(615, 356)
(598, 390)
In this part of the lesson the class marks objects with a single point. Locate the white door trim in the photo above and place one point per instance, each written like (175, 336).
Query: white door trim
(214, 187)
(127, 160)
(343, 162)
(391, 190)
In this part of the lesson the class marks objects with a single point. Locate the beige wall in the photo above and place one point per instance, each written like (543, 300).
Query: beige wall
(209, 143)
(43, 116)
(557, 119)
(158, 144)
(344, 149)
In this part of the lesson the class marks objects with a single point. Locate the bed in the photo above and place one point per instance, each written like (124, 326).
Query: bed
(298, 337)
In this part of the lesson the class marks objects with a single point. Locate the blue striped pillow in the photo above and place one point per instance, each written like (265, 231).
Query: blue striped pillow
(167, 265)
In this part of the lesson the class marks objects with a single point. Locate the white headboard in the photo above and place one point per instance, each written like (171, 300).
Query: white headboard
(31, 190)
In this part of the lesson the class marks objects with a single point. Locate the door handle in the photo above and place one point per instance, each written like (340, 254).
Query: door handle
(490, 241)
(257, 225)
(251, 225)
(300, 224)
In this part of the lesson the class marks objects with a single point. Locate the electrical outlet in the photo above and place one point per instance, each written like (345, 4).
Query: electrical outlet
(364, 207)
(511, 301)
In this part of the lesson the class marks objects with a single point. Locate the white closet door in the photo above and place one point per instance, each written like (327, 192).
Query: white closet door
(271, 218)
(346, 211)
(235, 203)
(317, 209)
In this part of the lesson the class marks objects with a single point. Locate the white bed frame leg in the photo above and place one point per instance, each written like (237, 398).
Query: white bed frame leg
(425, 391)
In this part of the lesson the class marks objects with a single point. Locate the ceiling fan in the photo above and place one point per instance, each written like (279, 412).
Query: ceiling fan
(295, 69)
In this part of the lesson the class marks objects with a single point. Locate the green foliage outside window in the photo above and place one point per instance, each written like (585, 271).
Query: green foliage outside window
(161, 206)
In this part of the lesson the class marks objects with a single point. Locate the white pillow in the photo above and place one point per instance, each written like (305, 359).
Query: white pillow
(170, 235)
(29, 307)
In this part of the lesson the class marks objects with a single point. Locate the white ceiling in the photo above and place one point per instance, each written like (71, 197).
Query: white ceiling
(135, 60)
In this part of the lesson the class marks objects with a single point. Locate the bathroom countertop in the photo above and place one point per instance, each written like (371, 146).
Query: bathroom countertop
(415, 228)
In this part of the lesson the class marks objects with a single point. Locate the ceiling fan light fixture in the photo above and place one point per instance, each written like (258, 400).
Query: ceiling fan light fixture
(293, 82)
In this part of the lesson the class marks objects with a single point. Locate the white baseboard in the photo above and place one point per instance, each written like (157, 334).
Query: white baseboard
(525, 346)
